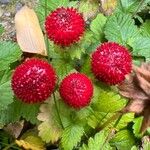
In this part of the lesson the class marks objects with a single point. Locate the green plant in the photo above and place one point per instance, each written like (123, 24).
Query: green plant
(103, 121)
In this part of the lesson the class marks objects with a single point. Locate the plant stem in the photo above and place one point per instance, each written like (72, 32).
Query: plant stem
(138, 8)
(47, 42)
(57, 111)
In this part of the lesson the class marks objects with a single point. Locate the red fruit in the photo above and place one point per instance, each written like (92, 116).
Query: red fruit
(64, 26)
(33, 81)
(111, 62)
(76, 90)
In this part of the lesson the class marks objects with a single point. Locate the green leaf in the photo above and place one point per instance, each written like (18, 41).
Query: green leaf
(89, 8)
(97, 26)
(125, 119)
(141, 47)
(107, 101)
(123, 140)
(71, 136)
(137, 126)
(50, 129)
(9, 53)
(6, 97)
(131, 6)
(121, 28)
(100, 141)
(134, 148)
(18, 109)
(145, 28)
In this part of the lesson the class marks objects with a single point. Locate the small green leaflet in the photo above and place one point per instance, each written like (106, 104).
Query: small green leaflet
(6, 97)
(71, 136)
(137, 126)
(97, 26)
(103, 100)
(123, 140)
(145, 28)
(9, 53)
(121, 28)
(99, 142)
(141, 47)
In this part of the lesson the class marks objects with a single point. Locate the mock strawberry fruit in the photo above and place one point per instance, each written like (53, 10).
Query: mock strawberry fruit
(76, 90)
(111, 62)
(64, 26)
(33, 81)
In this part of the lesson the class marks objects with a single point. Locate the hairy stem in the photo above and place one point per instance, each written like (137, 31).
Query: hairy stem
(57, 110)
(47, 42)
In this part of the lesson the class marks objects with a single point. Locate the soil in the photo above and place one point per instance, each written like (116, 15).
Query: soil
(8, 9)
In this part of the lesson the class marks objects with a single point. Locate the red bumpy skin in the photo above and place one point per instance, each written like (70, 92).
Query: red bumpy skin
(64, 26)
(76, 90)
(111, 62)
(33, 81)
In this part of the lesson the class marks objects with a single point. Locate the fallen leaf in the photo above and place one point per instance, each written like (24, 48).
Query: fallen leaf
(29, 34)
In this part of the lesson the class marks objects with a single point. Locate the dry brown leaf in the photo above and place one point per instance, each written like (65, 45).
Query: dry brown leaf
(108, 6)
(146, 120)
(137, 88)
(14, 129)
(29, 34)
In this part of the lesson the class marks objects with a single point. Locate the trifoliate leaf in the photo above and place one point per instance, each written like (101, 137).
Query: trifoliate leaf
(121, 28)
(71, 136)
(6, 97)
(141, 47)
(131, 6)
(123, 140)
(9, 53)
(18, 109)
(97, 26)
(145, 28)
(99, 142)
(137, 126)
(107, 101)
(89, 8)
(31, 141)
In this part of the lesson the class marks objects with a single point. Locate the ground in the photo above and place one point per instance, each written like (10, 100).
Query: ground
(8, 9)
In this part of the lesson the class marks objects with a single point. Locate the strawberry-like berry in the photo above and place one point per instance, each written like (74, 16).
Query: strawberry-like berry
(64, 26)
(111, 62)
(76, 90)
(33, 81)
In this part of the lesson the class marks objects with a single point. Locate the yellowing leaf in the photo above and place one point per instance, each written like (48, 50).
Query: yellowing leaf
(31, 142)
(29, 34)
(108, 6)
(49, 129)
